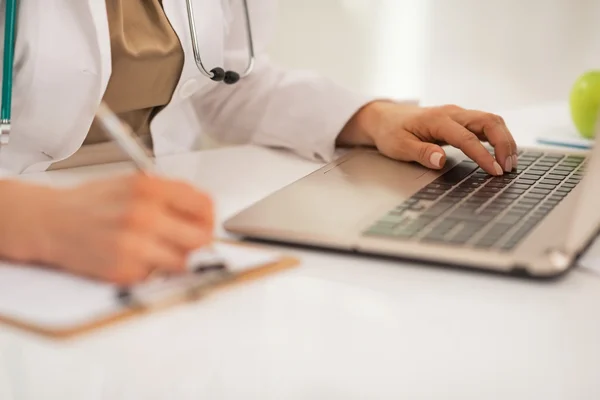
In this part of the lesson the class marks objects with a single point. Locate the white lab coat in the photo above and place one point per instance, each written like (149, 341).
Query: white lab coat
(63, 64)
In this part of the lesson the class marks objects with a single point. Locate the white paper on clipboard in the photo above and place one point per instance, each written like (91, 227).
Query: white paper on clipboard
(56, 300)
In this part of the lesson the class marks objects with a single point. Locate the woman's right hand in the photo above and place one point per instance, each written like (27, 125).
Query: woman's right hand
(119, 230)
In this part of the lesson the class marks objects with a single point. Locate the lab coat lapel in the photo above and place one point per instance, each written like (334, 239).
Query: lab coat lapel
(99, 16)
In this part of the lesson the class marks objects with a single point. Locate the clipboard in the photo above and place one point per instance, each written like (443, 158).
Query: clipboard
(159, 295)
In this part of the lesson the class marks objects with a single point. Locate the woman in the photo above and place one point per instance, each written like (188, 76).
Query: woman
(137, 56)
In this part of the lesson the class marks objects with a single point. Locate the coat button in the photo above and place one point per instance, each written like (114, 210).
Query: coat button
(189, 88)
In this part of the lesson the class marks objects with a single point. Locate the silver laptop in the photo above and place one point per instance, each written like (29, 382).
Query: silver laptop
(535, 221)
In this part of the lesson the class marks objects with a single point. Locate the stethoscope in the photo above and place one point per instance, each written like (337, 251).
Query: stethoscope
(219, 74)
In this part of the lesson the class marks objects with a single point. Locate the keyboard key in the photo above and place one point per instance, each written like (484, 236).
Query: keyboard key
(560, 173)
(468, 229)
(408, 230)
(544, 164)
(502, 201)
(568, 185)
(394, 217)
(508, 195)
(550, 181)
(457, 194)
(534, 196)
(484, 217)
(434, 236)
(485, 195)
(526, 161)
(519, 185)
(509, 245)
(479, 173)
(470, 207)
(496, 184)
(444, 226)
(493, 235)
(540, 191)
(526, 204)
(420, 206)
(535, 172)
(564, 168)
(528, 201)
(554, 176)
(380, 230)
(520, 211)
(527, 182)
(475, 199)
(503, 180)
(543, 186)
(438, 186)
(437, 209)
(558, 196)
(541, 168)
(463, 189)
(567, 165)
(404, 233)
(422, 195)
(487, 189)
(510, 219)
(547, 206)
(530, 177)
(514, 190)
(457, 173)
(575, 158)
(485, 243)
(552, 158)
(432, 191)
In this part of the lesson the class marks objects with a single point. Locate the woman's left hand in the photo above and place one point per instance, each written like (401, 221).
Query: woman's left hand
(413, 133)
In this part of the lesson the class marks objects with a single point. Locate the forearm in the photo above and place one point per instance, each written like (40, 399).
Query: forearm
(22, 234)
(274, 107)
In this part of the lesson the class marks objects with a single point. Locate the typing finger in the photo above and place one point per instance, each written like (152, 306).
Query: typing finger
(493, 129)
(456, 135)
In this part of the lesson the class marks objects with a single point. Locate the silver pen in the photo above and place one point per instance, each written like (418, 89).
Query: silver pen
(123, 135)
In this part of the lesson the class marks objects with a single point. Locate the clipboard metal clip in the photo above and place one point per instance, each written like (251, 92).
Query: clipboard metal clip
(164, 291)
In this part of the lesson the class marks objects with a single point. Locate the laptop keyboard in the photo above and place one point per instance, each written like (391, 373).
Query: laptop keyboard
(467, 207)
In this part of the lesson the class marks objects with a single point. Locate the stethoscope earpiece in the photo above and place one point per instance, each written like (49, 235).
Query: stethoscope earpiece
(231, 77)
(218, 74)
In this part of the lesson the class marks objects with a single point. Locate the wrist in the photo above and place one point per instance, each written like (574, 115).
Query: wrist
(359, 130)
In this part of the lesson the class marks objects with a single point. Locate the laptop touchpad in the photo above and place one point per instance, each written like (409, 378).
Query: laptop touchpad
(374, 171)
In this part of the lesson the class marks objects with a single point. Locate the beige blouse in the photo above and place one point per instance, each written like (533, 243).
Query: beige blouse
(147, 60)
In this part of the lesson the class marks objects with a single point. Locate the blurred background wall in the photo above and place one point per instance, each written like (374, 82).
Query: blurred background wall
(492, 55)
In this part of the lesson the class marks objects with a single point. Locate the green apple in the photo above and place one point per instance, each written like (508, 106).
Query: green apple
(585, 102)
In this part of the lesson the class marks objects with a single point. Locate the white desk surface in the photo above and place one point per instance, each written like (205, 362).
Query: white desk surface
(338, 327)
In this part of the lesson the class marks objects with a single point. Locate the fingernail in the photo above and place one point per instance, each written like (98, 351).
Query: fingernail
(508, 164)
(498, 168)
(515, 160)
(435, 160)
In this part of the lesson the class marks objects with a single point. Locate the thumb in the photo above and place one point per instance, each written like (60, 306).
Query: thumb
(427, 154)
